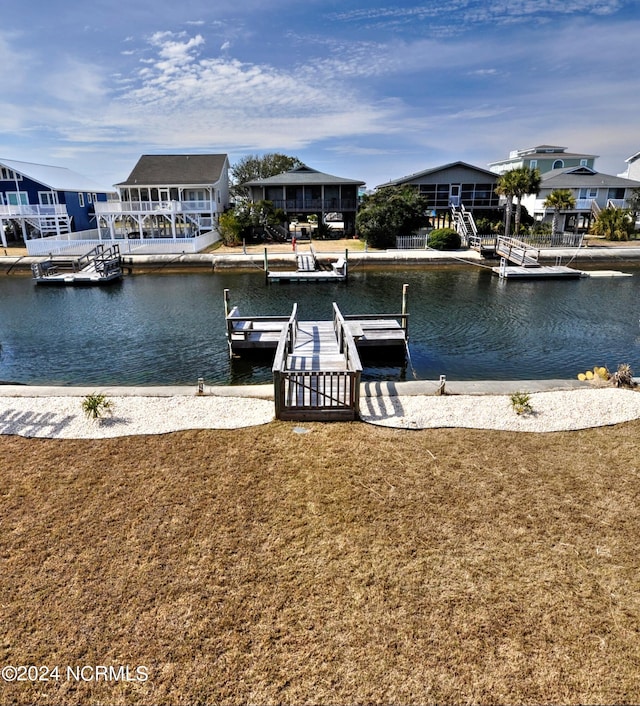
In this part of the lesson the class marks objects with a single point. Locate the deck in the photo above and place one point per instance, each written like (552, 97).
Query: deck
(309, 269)
(519, 260)
(537, 272)
(245, 333)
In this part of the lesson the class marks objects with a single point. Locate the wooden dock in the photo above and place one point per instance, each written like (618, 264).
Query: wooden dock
(309, 269)
(316, 364)
(101, 265)
(518, 260)
(537, 272)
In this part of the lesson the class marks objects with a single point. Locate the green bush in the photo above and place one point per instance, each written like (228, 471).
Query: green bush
(230, 227)
(96, 405)
(444, 239)
(521, 403)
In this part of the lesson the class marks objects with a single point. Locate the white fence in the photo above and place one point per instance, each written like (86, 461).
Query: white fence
(412, 242)
(81, 242)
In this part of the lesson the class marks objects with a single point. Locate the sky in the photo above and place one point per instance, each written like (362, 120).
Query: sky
(372, 91)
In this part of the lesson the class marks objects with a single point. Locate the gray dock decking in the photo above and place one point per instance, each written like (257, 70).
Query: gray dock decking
(316, 366)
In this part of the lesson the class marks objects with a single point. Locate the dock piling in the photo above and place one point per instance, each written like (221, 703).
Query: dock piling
(405, 317)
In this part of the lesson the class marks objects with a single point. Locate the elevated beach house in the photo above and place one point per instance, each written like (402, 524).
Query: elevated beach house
(169, 203)
(304, 191)
(41, 203)
(591, 190)
(544, 158)
(457, 184)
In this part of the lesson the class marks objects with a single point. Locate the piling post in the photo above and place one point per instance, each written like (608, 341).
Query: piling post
(346, 264)
(266, 265)
(405, 318)
(226, 303)
(228, 324)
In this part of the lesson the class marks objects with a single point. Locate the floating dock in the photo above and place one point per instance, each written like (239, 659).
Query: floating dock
(537, 272)
(101, 265)
(518, 260)
(309, 269)
(316, 364)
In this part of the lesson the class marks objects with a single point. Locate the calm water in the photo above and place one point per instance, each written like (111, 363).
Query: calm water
(169, 329)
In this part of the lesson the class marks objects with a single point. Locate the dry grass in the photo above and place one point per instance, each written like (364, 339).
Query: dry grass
(350, 564)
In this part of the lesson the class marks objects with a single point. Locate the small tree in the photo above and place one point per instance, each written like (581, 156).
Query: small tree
(230, 227)
(254, 166)
(559, 200)
(389, 212)
(507, 186)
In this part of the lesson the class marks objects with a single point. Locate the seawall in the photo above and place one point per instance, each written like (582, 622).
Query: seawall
(583, 257)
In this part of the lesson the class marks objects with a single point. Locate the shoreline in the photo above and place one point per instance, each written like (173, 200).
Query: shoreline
(229, 259)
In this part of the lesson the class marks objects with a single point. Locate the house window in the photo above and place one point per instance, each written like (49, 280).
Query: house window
(584, 162)
(588, 192)
(558, 164)
(533, 163)
(9, 175)
(48, 198)
(89, 200)
(15, 198)
(81, 200)
(615, 194)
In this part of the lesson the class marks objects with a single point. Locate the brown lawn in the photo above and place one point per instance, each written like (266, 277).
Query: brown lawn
(350, 564)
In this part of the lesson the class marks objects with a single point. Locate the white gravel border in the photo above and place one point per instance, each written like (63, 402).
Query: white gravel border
(552, 411)
(63, 418)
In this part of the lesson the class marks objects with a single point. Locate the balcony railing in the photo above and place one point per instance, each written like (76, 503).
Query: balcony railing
(150, 207)
(315, 205)
(23, 210)
(581, 205)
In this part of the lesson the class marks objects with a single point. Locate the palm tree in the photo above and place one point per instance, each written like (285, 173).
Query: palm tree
(527, 181)
(633, 202)
(614, 223)
(559, 200)
(507, 186)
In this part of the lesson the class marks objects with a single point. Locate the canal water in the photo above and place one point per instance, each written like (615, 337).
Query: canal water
(168, 329)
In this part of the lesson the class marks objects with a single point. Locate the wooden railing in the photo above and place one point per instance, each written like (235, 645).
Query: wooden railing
(517, 251)
(317, 394)
(483, 242)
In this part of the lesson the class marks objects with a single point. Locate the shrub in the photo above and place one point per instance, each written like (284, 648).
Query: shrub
(96, 406)
(444, 239)
(229, 227)
(521, 403)
(623, 377)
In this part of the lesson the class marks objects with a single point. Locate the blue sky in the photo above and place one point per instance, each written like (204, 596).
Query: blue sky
(363, 90)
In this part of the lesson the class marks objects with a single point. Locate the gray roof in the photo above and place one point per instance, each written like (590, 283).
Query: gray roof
(56, 178)
(302, 176)
(433, 170)
(176, 170)
(576, 177)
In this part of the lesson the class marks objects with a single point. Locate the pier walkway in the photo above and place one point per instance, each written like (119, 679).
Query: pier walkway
(316, 365)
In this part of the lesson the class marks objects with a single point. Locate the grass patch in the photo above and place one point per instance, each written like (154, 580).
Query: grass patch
(351, 564)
